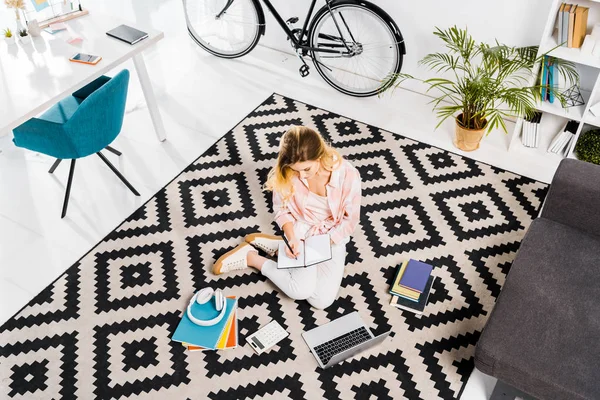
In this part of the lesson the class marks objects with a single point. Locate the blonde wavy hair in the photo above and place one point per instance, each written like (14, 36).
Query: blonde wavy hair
(299, 144)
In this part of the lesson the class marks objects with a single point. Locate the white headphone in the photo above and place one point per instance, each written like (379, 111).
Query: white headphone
(203, 296)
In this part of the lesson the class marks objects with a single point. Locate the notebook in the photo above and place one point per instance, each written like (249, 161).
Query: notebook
(127, 34)
(416, 275)
(414, 307)
(203, 336)
(398, 290)
(230, 338)
(313, 250)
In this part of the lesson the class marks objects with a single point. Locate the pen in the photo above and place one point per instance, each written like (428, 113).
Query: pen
(288, 245)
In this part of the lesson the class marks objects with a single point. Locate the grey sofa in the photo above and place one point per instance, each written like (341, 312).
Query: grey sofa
(543, 336)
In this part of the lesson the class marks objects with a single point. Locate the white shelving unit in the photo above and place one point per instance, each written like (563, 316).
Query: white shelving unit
(555, 117)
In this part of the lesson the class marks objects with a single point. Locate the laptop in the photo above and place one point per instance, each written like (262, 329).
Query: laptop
(127, 34)
(340, 339)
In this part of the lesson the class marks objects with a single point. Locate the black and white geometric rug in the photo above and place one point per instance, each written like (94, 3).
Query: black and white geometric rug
(101, 331)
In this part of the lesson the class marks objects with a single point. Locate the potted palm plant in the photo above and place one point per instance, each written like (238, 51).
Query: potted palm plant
(480, 85)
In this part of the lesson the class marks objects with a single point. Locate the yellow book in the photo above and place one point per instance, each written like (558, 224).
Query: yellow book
(397, 289)
(223, 340)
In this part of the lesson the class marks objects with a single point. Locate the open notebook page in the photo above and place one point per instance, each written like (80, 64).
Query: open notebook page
(283, 261)
(318, 249)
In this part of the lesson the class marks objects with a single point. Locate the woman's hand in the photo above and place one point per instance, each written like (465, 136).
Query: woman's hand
(295, 245)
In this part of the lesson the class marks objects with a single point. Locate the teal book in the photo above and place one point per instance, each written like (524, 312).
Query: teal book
(203, 336)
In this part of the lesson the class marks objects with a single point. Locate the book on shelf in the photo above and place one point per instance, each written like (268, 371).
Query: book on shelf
(416, 308)
(580, 26)
(572, 25)
(530, 133)
(561, 10)
(562, 141)
(565, 25)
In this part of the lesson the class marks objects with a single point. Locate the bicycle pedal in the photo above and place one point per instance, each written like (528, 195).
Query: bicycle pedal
(304, 70)
(292, 20)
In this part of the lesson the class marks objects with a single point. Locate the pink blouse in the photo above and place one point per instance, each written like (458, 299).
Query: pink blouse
(343, 197)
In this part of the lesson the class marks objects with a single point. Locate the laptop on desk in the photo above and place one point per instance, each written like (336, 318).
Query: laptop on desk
(340, 339)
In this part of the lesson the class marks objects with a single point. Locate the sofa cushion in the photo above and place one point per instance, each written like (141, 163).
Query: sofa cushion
(543, 336)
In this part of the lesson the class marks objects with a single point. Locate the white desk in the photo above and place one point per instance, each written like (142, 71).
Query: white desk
(34, 77)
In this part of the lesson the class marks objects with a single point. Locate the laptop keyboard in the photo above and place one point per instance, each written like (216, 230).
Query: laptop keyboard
(335, 346)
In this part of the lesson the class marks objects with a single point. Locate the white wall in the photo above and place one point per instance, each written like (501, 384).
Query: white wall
(512, 22)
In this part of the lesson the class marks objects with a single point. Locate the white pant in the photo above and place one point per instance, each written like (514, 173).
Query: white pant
(318, 284)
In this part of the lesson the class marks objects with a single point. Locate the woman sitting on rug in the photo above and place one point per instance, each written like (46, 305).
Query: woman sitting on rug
(315, 191)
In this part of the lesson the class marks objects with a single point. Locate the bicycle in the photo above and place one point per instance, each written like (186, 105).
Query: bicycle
(354, 45)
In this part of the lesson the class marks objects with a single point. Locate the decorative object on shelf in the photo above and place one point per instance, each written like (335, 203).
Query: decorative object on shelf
(34, 28)
(16, 5)
(9, 38)
(572, 97)
(483, 84)
(24, 37)
(588, 146)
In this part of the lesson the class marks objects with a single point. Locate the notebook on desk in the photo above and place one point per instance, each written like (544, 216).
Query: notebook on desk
(313, 250)
(127, 34)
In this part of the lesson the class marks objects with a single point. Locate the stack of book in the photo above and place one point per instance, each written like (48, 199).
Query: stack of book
(561, 142)
(572, 24)
(221, 336)
(411, 286)
(531, 134)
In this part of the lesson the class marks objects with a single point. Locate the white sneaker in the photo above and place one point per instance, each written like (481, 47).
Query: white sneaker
(233, 260)
(267, 243)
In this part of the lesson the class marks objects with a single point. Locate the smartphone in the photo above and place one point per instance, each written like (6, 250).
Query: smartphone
(85, 58)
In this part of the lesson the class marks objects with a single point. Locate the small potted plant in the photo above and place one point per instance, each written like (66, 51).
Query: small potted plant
(24, 37)
(479, 85)
(8, 36)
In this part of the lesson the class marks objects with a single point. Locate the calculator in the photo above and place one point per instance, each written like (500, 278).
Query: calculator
(266, 337)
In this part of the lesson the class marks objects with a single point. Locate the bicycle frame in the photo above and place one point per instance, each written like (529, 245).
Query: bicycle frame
(299, 43)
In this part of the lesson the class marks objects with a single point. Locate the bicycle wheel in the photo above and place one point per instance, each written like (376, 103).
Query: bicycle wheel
(368, 43)
(233, 34)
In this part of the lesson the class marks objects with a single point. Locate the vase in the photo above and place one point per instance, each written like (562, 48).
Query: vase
(20, 26)
(468, 139)
(34, 28)
(10, 40)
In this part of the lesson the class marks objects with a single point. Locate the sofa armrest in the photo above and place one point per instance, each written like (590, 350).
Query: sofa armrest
(574, 196)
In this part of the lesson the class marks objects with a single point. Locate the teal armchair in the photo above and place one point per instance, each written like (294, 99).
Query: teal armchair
(80, 125)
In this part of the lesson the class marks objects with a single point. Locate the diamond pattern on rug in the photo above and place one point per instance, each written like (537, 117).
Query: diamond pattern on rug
(102, 330)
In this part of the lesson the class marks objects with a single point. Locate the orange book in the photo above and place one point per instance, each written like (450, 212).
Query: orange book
(571, 25)
(581, 18)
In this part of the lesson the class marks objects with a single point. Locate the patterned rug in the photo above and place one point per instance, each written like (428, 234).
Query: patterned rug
(102, 329)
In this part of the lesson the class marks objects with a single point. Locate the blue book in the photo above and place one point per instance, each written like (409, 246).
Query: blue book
(203, 336)
(416, 275)
(551, 77)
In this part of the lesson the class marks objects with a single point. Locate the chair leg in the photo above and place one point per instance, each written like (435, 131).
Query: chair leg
(114, 151)
(121, 177)
(68, 192)
(53, 167)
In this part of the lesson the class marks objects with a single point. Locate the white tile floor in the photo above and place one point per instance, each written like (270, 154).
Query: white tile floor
(201, 97)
